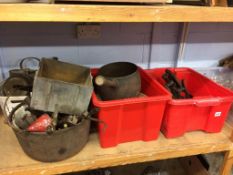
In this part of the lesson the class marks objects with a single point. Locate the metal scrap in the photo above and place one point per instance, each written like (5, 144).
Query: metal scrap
(175, 86)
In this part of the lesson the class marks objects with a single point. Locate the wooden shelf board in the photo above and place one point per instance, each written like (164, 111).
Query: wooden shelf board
(113, 13)
(14, 160)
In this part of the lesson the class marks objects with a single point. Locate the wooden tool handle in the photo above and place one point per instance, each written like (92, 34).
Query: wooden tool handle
(100, 81)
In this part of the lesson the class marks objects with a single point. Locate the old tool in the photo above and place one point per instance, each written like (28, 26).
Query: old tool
(175, 86)
(65, 121)
(24, 102)
(23, 119)
(20, 81)
(117, 81)
(40, 124)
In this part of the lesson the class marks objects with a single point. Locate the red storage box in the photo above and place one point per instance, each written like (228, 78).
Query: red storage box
(132, 119)
(206, 111)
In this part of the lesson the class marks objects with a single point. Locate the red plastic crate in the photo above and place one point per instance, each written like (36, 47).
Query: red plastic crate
(132, 119)
(206, 111)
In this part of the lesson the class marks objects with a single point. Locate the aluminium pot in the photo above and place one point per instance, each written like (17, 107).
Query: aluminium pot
(118, 80)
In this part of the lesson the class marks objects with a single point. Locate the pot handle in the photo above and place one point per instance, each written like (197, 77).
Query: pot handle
(100, 81)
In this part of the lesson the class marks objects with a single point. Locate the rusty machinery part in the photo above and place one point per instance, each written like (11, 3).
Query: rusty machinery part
(20, 81)
(25, 104)
(23, 68)
(12, 112)
(64, 120)
(17, 85)
(61, 120)
(177, 88)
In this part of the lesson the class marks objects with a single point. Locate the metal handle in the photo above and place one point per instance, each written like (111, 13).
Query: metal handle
(88, 115)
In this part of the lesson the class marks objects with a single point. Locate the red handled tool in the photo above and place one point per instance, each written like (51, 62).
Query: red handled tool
(40, 124)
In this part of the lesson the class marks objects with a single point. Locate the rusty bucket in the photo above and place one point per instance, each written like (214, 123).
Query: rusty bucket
(57, 146)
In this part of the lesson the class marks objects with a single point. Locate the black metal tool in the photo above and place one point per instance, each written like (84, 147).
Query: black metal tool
(175, 86)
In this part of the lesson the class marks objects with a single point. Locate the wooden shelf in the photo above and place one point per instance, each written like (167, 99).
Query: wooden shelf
(113, 13)
(14, 160)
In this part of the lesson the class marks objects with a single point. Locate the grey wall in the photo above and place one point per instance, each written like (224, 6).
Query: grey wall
(207, 43)
(146, 44)
(165, 43)
(118, 42)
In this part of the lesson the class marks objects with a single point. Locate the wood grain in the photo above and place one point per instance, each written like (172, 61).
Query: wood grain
(14, 161)
(227, 163)
(222, 3)
(118, 1)
(113, 13)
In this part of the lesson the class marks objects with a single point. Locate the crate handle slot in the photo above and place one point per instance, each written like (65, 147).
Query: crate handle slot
(207, 102)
